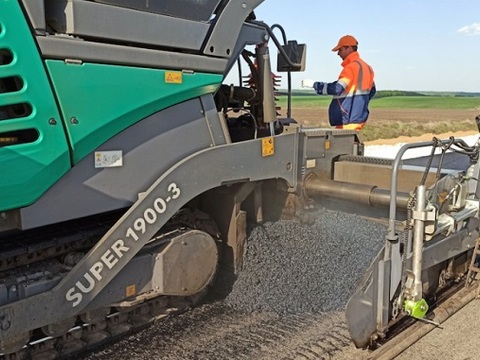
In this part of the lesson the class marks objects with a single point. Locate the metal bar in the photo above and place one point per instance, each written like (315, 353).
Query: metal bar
(418, 234)
(361, 193)
(391, 235)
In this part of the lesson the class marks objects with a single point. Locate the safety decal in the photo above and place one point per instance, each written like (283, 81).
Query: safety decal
(173, 77)
(104, 159)
(268, 146)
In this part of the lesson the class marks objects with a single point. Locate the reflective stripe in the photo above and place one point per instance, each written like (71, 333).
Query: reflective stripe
(360, 86)
(343, 82)
(351, 94)
(363, 92)
(351, 126)
(360, 75)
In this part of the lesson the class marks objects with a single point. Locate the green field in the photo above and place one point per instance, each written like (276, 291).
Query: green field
(426, 102)
(392, 102)
(397, 115)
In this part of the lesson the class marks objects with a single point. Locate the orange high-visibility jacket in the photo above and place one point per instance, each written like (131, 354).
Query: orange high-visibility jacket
(351, 92)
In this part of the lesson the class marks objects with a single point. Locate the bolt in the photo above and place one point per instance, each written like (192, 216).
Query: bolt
(52, 121)
(244, 5)
(74, 120)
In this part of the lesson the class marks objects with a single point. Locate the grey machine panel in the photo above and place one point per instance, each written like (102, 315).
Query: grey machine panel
(57, 47)
(250, 34)
(36, 12)
(100, 34)
(184, 181)
(149, 148)
(197, 10)
(95, 20)
(227, 27)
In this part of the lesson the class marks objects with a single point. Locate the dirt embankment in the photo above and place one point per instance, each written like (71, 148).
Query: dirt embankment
(319, 116)
(425, 137)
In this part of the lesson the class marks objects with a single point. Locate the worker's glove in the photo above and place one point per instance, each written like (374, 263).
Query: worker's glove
(308, 83)
(321, 88)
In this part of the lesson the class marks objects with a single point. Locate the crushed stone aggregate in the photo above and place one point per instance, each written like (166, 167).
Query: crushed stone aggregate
(293, 267)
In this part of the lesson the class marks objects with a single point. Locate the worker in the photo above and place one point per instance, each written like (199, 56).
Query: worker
(353, 89)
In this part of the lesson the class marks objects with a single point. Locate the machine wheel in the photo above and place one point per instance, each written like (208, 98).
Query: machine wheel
(59, 328)
(94, 315)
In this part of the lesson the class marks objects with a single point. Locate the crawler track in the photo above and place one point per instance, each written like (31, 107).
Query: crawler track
(216, 331)
(89, 336)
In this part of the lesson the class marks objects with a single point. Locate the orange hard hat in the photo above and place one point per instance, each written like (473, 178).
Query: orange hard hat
(347, 40)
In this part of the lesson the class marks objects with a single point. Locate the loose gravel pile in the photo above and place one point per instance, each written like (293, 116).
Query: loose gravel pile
(290, 267)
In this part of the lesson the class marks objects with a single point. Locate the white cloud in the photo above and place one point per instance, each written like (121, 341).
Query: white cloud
(473, 29)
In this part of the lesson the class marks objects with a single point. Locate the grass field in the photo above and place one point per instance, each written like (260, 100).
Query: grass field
(393, 102)
(394, 116)
(426, 102)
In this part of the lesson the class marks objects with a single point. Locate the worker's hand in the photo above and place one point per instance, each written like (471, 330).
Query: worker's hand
(307, 83)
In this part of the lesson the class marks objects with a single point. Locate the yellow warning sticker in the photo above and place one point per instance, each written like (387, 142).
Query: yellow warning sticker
(268, 146)
(173, 77)
(130, 290)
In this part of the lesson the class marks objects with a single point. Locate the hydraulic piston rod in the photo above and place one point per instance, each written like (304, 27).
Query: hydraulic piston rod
(360, 193)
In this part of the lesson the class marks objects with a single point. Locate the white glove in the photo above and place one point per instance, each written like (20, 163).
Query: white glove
(307, 83)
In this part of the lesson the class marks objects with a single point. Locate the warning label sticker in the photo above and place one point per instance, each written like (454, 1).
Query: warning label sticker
(268, 146)
(173, 77)
(104, 159)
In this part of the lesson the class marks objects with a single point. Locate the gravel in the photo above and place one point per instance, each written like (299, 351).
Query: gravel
(291, 267)
(286, 303)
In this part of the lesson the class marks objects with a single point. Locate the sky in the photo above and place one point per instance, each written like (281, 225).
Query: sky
(422, 45)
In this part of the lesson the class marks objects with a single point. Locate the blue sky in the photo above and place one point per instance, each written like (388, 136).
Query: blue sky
(429, 45)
